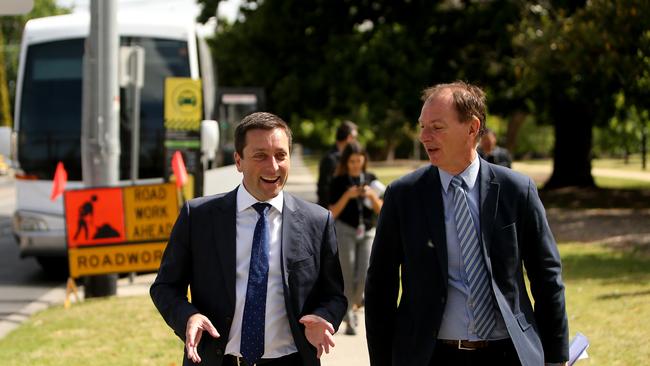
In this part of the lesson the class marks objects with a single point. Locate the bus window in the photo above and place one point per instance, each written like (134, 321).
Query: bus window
(163, 58)
(50, 122)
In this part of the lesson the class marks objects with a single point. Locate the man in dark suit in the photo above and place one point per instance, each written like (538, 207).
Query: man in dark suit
(460, 232)
(345, 133)
(491, 152)
(262, 265)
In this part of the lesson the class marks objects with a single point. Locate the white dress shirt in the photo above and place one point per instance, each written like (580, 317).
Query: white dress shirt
(278, 340)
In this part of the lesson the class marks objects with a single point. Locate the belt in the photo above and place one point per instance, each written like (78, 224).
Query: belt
(466, 345)
(240, 361)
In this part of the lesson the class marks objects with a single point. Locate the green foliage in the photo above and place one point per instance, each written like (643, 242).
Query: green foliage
(208, 9)
(563, 62)
(535, 141)
(11, 30)
(366, 61)
(572, 59)
(582, 54)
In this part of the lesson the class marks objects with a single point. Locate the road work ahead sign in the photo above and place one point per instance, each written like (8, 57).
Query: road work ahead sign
(118, 229)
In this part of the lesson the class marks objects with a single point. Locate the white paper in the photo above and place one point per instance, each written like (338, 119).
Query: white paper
(578, 348)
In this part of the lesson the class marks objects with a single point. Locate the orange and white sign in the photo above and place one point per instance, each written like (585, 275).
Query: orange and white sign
(94, 216)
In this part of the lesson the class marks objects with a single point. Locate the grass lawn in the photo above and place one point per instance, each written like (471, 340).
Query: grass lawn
(113, 331)
(633, 164)
(608, 300)
(621, 183)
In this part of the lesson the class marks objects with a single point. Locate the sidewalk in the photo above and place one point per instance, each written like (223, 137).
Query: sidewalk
(349, 350)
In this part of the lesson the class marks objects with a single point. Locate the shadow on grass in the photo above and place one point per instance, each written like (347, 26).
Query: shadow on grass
(628, 267)
(580, 197)
(617, 296)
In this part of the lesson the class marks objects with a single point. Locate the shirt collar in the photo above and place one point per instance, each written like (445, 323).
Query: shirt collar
(246, 200)
(469, 175)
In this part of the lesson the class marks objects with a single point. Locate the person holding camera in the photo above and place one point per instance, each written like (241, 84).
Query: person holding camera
(355, 201)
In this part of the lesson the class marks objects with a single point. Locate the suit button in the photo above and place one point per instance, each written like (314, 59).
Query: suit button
(219, 352)
(228, 320)
(442, 300)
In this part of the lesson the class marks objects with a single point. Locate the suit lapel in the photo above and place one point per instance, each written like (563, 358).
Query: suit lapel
(489, 196)
(224, 235)
(292, 231)
(431, 192)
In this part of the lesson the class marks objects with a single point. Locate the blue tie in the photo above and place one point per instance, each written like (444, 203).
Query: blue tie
(252, 333)
(479, 281)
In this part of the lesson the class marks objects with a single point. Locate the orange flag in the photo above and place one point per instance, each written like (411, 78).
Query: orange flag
(60, 179)
(178, 166)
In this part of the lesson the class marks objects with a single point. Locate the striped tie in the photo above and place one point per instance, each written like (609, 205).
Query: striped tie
(479, 281)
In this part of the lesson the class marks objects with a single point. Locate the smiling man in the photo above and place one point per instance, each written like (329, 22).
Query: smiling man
(261, 264)
(456, 235)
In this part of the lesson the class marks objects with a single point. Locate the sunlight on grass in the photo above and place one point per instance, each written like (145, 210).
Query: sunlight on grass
(114, 331)
(608, 300)
(621, 183)
(633, 164)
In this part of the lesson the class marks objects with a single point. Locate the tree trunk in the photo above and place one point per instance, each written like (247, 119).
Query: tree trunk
(572, 153)
(644, 146)
(391, 145)
(516, 121)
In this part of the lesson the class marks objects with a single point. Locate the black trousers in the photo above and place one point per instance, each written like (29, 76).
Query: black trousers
(288, 360)
(500, 353)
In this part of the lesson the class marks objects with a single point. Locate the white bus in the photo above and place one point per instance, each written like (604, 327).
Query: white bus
(47, 125)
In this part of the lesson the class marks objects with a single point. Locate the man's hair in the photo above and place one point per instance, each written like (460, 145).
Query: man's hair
(344, 130)
(258, 121)
(468, 100)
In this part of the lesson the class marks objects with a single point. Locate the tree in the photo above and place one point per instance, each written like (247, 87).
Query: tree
(5, 106)
(365, 60)
(573, 59)
(11, 30)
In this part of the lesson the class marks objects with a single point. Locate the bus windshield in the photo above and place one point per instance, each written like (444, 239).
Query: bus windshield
(49, 129)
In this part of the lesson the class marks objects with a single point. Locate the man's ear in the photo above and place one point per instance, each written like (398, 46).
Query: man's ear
(474, 126)
(237, 161)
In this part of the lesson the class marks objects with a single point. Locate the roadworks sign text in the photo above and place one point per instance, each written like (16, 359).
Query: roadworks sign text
(115, 259)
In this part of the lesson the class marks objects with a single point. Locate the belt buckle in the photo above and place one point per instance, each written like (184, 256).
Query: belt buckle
(460, 346)
(242, 362)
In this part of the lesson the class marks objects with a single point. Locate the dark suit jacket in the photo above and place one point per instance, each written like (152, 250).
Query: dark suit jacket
(326, 169)
(201, 253)
(498, 156)
(411, 234)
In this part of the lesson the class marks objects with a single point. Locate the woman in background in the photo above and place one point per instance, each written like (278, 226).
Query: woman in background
(355, 202)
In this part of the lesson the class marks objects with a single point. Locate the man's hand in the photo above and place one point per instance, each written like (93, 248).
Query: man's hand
(196, 324)
(319, 333)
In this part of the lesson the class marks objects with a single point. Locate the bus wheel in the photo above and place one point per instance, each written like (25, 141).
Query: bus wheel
(55, 267)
